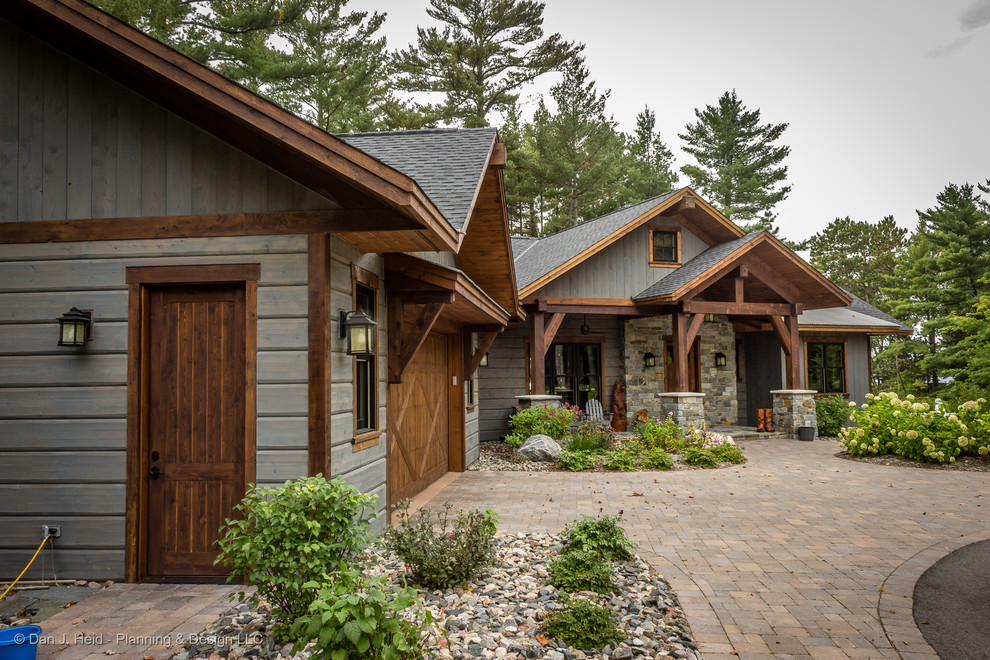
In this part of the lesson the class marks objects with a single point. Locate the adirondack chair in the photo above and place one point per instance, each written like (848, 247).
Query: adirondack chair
(594, 414)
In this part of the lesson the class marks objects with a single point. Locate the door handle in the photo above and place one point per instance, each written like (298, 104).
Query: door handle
(155, 472)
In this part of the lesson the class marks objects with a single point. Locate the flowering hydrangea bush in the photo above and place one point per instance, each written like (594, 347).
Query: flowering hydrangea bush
(908, 427)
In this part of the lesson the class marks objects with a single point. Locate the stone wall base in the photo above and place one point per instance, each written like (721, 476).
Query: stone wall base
(793, 409)
(687, 408)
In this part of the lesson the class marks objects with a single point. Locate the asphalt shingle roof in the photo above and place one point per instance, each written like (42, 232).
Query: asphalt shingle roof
(695, 267)
(859, 312)
(447, 163)
(554, 250)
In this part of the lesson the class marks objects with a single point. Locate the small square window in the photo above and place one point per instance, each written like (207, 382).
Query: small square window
(664, 248)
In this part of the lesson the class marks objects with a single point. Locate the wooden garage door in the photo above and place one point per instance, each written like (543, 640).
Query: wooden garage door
(418, 422)
(196, 427)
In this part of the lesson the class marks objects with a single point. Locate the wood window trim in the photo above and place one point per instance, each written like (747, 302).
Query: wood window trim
(138, 279)
(649, 246)
(367, 437)
(845, 361)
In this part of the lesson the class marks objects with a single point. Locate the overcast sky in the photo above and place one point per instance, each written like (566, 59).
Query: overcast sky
(887, 100)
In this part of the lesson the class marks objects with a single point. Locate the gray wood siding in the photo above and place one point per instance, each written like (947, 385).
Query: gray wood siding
(63, 410)
(505, 377)
(364, 469)
(857, 363)
(75, 144)
(621, 270)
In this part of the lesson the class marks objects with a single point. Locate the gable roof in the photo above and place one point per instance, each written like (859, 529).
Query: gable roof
(555, 254)
(694, 268)
(447, 163)
(251, 123)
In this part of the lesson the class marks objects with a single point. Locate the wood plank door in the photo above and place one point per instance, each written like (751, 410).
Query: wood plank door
(196, 423)
(418, 424)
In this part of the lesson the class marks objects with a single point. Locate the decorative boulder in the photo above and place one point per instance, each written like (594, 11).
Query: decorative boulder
(539, 448)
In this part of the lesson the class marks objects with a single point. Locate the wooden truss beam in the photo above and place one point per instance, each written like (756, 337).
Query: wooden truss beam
(472, 357)
(401, 348)
(740, 309)
(551, 328)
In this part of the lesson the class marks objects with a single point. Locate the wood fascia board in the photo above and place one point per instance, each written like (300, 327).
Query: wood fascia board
(416, 272)
(188, 226)
(858, 329)
(462, 233)
(245, 108)
(586, 254)
(421, 297)
(703, 280)
(591, 302)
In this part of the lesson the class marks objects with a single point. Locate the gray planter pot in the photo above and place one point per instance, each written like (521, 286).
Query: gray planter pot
(806, 433)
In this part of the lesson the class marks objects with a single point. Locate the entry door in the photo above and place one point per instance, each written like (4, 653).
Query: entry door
(196, 423)
(694, 383)
(418, 424)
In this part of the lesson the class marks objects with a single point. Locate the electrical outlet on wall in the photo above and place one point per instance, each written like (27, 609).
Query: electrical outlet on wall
(54, 531)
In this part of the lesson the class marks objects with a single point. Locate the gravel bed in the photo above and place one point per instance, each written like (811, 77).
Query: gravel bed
(498, 615)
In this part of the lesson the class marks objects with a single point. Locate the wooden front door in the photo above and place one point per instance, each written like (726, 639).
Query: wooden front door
(196, 423)
(418, 423)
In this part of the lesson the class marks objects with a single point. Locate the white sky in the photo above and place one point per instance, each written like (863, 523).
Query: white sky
(887, 100)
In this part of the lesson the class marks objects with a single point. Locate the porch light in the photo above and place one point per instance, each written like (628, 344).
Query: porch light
(484, 360)
(359, 329)
(720, 359)
(649, 360)
(709, 318)
(75, 327)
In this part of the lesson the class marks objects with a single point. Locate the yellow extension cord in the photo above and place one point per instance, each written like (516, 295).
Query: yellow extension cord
(43, 542)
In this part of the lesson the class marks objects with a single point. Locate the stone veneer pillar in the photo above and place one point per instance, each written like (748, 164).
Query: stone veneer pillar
(793, 409)
(530, 400)
(688, 408)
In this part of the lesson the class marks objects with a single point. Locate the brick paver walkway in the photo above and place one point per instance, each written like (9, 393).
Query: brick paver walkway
(797, 554)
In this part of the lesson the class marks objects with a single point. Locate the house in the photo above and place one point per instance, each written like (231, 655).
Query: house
(669, 296)
(219, 245)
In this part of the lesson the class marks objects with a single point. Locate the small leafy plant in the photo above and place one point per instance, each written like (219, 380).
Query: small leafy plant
(694, 455)
(360, 617)
(580, 570)
(602, 536)
(292, 540)
(657, 459)
(583, 624)
(591, 437)
(621, 459)
(576, 461)
(545, 420)
(664, 432)
(726, 453)
(443, 552)
(831, 411)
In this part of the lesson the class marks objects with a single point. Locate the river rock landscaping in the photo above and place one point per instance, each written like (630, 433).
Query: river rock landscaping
(500, 614)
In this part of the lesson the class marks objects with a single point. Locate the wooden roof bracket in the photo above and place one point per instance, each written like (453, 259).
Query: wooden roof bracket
(550, 328)
(472, 357)
(402, 349)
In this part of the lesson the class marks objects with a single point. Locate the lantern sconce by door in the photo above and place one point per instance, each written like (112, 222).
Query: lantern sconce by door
(359, 330)
(75, 327)
(720, 359)
(649, 360)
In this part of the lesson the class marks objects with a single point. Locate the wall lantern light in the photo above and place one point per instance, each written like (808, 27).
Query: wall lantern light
(720, 359)
(484, 360)
(75, 327)
(709, 318)
(359, 329)
(649, 360)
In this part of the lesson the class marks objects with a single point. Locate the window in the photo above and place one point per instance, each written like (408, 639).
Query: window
(665, 247)
(573, 371)
(826, 366)
(365, 380)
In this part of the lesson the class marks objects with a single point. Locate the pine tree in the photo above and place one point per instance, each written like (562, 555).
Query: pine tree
(738, 165)
(485, 53)
(650, 170)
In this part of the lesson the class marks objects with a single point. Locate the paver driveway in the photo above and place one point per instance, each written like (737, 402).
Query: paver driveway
(796, 554)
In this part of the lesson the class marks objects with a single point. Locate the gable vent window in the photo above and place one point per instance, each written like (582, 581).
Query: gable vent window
(665, 247)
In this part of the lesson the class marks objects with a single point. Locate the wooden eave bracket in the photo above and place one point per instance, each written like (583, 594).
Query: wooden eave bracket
(474, 359)
(550, 328)
(402, 349)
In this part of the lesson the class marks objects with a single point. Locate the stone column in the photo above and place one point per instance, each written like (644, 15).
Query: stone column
(793, 409)
(688, 407)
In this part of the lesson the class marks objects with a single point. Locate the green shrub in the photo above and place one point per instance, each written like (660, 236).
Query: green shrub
(292, 540)
(545, 420)
(602, 536)
(591, 437)
(694, 455)
(360, 617)
(622, 460)
(657, 459)
(583, 624)
(576, 461)
(663, 433)
(913, 429)
(726, 453)
(832, 412)
(441, 552)
(580, 570)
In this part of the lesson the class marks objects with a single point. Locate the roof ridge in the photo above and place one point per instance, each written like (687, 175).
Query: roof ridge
(528, 247)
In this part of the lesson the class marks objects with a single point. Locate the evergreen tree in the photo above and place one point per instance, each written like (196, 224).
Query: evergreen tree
(522, 190)
(738, 163)
(945, 275)
(650, 170)
(580, 154)
(485, 53)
